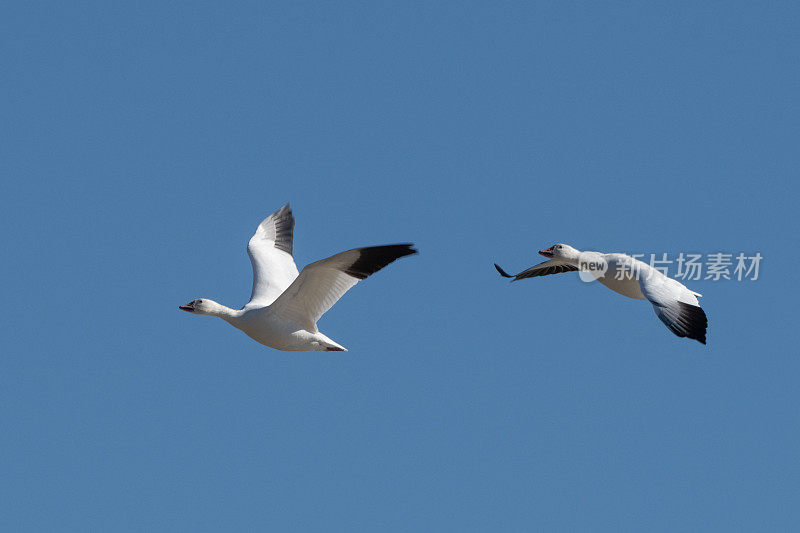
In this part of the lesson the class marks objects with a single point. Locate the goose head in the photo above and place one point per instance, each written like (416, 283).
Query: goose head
(564, 252)
(199, 307)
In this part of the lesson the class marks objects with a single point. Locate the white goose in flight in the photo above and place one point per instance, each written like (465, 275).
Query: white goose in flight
(285, 306)
(674, 304)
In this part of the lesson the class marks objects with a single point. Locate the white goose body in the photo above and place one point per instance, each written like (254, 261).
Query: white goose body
(285, 304)
(674, 304)
(268, 327)
(625, 284)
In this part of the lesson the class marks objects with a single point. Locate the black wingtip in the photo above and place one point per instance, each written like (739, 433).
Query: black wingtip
(502, 272)
(693, 322)
(284, 228)
(374, 258)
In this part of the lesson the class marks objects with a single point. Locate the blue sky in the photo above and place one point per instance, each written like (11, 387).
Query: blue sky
(141, 144)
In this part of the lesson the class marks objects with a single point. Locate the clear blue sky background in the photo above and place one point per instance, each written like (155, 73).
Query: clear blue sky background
(142, 144)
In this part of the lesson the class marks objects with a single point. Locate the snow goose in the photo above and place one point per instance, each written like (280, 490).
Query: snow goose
(285, 305)
(674, 304)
